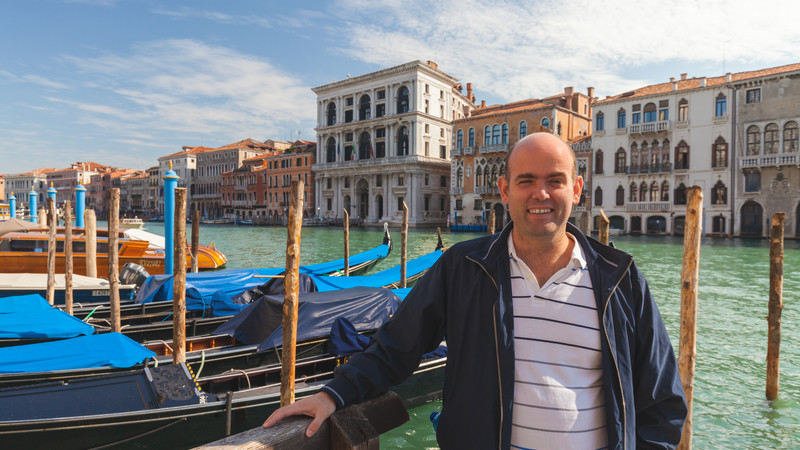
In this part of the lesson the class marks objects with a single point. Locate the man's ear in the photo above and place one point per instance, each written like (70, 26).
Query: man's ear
(502, 184)
(577, 189)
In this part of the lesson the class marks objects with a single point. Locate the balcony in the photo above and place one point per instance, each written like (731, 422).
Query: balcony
(623, 130)
(720, 119)
(647, 206)
(456, 191)
(650, 127)
(496, 148)
(769, 160)
(468, 151)
(649, 168)
(456, 152)
(487, 190)
(599, 133)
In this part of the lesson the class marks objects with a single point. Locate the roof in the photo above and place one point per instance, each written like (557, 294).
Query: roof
(522, 105)
(192, 151)
(245, 144)
(694, 83)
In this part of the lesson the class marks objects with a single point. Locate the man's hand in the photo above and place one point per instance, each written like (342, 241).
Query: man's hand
(320, 406)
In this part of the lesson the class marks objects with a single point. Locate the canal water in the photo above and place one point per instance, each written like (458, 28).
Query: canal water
(730, 409)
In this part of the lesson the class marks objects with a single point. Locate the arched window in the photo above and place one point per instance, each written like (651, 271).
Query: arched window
(771, 142)
(546, 122)
(364, 146)
(650, 112)
(680, 194)
(721, 109)
(643, 192)
(633, 195)
(665, 191)
(523, 129)
(620, 196)
(471, 137)
(790, 137)
(479, 176)
(504, 137)
(665, 151)
(644, 155)
(402, 141)
(654, 192)
(402, 100)
(619, 161)
(600, 126)
(598, 196)
(720, 153)
(330, 150)
(331, 114)
(683, 110)
(753, 140)
(682, 155)
(460, 139)
(598, 161)
(719, 194)
(487, 135)
(364, 110)
(621, 118)
(495, 134)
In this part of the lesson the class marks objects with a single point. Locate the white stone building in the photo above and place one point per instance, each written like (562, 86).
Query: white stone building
(384, 138)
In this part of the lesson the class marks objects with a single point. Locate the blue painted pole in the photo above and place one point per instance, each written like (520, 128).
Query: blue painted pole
(32, 205)
(12, 205)
(80, 205)
(170, 183)
(51, 193)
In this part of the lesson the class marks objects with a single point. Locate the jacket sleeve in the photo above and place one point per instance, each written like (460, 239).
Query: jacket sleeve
(416, 328)
(659, 398)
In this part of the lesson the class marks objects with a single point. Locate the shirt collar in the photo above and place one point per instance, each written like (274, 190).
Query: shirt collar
(577, 259)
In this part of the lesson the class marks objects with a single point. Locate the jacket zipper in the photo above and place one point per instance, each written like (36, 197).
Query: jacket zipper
(496, 353)
(614, 357)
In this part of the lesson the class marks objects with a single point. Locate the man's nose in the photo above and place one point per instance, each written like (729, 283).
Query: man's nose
(540, 192)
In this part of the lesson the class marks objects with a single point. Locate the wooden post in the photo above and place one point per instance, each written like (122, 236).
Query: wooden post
(490, 225)
(291, 287)
(602, 234)
(68, 268)
(113, 258)
(689, 276)
(42, 216)
(179, 279)
(775, 305)
(52, 222)
(403, 246)
(346, 243)
(91, 243)
(195, 239)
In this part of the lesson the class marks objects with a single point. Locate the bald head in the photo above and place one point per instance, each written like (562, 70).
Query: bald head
(540, 140)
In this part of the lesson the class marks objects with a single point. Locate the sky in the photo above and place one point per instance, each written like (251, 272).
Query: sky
(123, 82)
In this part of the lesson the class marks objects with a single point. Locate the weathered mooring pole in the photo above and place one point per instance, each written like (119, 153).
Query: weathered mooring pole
(404, 246)
(291, 287)
(52, 222)
(91, 243)
(602, 233)
(490, 227)
(690, 273)
(68, 268)
(113, 258)
(775, 305)
(179, 279)
(346, 243)
(195, 239)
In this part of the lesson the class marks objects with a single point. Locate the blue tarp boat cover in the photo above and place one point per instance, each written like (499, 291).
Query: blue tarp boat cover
(380, 279)
(30, 316)
(222, 305)
(21, 303)
(260, 322)
(99, 350)
(202, 286)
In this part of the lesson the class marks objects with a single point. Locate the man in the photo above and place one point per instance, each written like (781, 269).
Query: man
(553, 339)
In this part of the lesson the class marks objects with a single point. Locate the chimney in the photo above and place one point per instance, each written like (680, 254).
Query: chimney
(590, 92)
(728, 77)
(469, 91)
(671, 79)
(703, 82)
(433, 64)
(674, 86)
(683, 76)
(568, 91)
(483, 103)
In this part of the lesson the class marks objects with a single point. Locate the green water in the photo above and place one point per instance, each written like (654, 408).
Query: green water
(730, 409)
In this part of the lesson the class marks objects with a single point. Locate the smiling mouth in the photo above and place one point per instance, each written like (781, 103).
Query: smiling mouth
(539, 211)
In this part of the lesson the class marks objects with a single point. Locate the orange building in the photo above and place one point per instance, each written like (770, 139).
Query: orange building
(482, 140)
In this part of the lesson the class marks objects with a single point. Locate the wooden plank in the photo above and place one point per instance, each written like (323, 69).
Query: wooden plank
(690, 273)
(775, 305)
(179, 279)
(113, 258)
(291, 288)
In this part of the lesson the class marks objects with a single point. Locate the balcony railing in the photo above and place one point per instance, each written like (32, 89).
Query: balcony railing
(649, 168)
(769, 160)
(456, 152)
(650, 127)
(496, 148)
(468, 150)
(456, 190)
(487, 190)
(647, 206)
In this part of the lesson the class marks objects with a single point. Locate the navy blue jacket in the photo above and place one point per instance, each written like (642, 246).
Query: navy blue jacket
(466, 298)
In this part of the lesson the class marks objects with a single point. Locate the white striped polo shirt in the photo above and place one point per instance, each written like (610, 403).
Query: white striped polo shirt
(558, 382)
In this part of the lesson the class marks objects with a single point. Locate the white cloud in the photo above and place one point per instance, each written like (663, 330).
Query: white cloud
(526, 49)
(214, 16)
(32, 79)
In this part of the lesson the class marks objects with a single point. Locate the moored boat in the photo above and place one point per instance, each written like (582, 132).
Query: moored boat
(84, 289)
(128, 223)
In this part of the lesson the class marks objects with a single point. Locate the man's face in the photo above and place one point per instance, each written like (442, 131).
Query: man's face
(538, 187)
